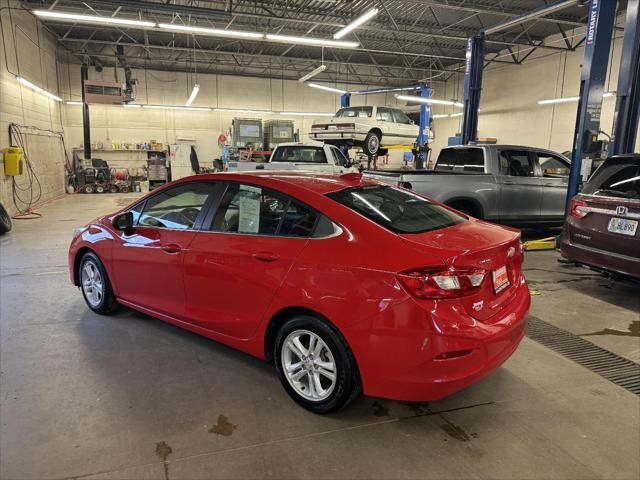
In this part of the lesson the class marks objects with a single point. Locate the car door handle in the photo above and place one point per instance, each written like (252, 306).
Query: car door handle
(171, 248)
(265, 256)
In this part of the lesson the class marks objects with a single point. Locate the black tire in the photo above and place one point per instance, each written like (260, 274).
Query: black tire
(347, 387)
(113, 189)
(88, 188)
(100, 189)
(108, 303)
(5, 221)
(371, 144)
(124, 189)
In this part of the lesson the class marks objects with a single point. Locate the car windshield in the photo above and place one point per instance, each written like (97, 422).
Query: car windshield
(355, 112)
(617, 179)
(396, 210)
(299, 154)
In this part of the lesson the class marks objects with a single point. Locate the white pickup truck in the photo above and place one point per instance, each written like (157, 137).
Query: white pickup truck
(310, 156)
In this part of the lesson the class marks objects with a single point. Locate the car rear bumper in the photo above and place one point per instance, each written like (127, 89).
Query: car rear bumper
(600, 259)
(459, 352)
(353, 136)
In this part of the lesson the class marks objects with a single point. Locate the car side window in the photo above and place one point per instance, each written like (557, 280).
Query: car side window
(339, 157)
(176, 207)
(383, 114)
(552, 166)
(519, 163)
(401, 117)
(250, 209)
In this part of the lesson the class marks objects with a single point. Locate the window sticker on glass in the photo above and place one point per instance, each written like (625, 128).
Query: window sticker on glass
(249, 210)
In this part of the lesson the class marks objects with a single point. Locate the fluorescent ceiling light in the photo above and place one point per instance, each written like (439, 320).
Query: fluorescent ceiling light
(558, 100)
(194, 93)
(324, 87)
(241, 110)
(440, 115)
(73, 17)
(177, 107)
(36, 88)
(131, 105)
(356, 23)
(459, 114)
(313, 73)
(73, 102)
(307, 114)
(215, 32)
(570, 99)
(319, 42)
(434, 101)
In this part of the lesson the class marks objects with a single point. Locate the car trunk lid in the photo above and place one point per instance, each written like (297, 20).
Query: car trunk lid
(478, 245)
(610, 223)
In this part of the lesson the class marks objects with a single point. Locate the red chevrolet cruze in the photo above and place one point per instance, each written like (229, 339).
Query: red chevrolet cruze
(346, 284)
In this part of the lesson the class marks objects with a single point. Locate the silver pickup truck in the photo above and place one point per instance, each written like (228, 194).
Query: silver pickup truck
(507, 184)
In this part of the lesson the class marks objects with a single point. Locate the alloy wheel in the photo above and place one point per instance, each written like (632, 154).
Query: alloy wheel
(308, 365)
(92, 283)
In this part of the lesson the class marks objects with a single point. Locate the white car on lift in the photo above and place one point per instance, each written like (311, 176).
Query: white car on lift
(369, 127)
(310, 156)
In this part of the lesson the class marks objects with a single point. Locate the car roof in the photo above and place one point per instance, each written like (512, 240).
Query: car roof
(301, 144)
(320, 183)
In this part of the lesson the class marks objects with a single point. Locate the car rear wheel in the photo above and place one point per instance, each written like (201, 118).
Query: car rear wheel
(371, 143)
(315, 365)
(95, 285)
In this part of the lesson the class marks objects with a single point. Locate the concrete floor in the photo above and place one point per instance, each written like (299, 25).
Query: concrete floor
(129, 396)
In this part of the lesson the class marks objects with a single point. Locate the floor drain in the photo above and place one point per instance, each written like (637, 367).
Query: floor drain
(617, 369)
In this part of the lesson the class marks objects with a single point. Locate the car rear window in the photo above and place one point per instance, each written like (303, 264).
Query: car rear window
(616, 179)
(299, 154)
(355, 112)
(395, 209)
(464, 159)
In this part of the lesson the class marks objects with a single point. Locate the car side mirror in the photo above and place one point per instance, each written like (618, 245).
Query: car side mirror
(124, 223)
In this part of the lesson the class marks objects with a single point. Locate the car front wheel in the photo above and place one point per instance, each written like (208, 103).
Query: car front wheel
(315, 365)
(95, 285)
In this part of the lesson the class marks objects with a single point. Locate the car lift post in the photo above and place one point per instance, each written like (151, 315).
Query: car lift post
(474, 63)
(625, 119)
(600, 23)
(86, 118)
(345, 100)
(422, 145)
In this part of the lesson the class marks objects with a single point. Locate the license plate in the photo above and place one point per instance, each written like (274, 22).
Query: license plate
(623, 226)
(500, 279)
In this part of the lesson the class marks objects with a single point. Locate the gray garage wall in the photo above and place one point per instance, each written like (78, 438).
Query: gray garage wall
(30, 52)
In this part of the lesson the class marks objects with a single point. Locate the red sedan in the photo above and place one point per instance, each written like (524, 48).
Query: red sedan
(346, 284)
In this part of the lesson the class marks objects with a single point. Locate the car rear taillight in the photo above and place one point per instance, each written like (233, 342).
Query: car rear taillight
(579, 209)
(434, 283)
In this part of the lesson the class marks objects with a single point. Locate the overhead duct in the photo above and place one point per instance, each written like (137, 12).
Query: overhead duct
(540, 12)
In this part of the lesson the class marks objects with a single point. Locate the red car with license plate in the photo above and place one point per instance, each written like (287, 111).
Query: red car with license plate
(346, 284)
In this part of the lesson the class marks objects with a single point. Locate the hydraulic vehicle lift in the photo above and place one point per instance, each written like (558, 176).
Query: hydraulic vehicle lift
(421, 148)
(600, 25)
